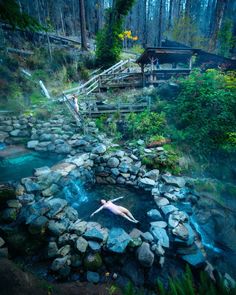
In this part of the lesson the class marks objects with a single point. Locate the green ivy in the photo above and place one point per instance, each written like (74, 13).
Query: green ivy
(109, 45)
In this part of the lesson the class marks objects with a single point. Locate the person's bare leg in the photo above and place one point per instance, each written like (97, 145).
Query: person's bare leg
(127, 212)
(128, 218)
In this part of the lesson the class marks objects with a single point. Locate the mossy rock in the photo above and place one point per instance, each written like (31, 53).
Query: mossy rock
(93, 261)
(6, 193)
(9, 214)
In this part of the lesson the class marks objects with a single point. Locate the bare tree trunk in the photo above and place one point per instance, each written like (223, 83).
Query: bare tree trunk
(83, 26)
(159, 36)
(170, 15)
(187, 8)
(219, 13)
(145, 25)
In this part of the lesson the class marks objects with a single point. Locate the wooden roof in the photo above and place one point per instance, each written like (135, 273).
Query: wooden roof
(166, 55)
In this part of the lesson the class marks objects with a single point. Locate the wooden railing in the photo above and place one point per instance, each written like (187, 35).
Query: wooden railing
(94, 82)
(94, 107)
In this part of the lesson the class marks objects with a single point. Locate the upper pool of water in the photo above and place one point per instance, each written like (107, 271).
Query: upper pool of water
(22, 165)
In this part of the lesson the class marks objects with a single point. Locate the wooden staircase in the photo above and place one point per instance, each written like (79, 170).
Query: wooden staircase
(96, 82)
(119, 75)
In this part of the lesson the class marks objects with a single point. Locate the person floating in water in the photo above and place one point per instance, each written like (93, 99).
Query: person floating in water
(117, 210)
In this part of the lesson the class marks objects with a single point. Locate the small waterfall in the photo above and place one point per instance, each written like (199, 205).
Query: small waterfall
(2, 146)
(205, 240)
(75, 194)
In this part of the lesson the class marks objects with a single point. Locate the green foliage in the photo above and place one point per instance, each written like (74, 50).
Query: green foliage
(42, 114)
(10, 13)
(204, 112)
(109, 45)
(146, 124)
(108, 126)
(187, 285)
(226, 38)
(137, 49)
(168, 161)
(38, 60)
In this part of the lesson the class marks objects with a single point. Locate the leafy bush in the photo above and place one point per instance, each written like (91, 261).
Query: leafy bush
(205, 111)
(146, 124)
(168, 161)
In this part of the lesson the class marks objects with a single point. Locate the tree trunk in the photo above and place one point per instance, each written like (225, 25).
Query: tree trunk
(219, 13)
(170, 15)
(145, 25)
(83, 26)
(159, 36)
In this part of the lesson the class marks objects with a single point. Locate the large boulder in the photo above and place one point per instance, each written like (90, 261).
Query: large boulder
(58, 227)
(160, 201)
(113, 162)
(154, 214)
(93, 261)
(160, 235)
(145, 255)
(95, 234)
(118, 240)
(168, 209)
(30, 185)
(93, 277)
(146, 183)
(99, 149)
(78, 160)
(174, 180)
(152, 174)
(63, 148)
(63, 168)
(56, 206)
(53, 189)
(32, 144)
(78, 227)
(81, 245)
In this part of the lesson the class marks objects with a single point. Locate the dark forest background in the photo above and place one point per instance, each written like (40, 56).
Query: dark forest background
(206, 24)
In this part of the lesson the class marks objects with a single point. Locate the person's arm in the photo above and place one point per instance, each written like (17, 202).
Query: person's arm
(114, 200)
(98, 210)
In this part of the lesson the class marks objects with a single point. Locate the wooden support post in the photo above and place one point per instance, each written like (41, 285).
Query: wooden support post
(143, 77)
(190, 63)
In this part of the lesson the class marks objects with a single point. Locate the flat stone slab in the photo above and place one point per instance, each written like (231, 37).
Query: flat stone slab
(174, 180)
(160, 235)
(168, 209)
(94, 234)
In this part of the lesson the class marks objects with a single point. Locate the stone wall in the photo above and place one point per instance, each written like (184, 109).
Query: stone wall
(77, 244)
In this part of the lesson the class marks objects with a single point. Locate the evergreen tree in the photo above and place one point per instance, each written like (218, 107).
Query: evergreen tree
(11, 14)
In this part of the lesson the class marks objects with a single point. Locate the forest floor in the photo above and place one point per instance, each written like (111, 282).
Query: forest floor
(18, 282)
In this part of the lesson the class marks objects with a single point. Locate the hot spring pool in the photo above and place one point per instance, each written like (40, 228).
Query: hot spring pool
(19, 166)
(87, 200)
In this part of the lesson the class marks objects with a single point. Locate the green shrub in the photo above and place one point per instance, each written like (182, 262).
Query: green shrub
(205, 111)
(146, 124)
